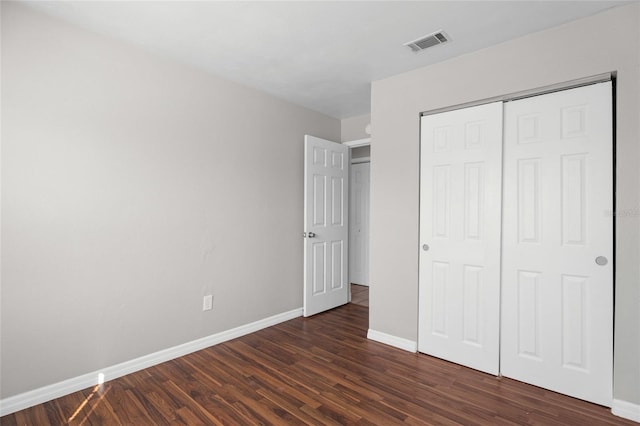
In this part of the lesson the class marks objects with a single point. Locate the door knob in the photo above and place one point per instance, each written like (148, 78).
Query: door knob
(601, 260)
(425, 247)
(311, 235)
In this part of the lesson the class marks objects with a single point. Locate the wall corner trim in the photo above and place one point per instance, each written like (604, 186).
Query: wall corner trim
(65, 387)
(627, 410)
(397, 342)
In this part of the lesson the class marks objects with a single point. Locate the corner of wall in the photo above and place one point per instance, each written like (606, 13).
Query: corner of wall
(355, 128)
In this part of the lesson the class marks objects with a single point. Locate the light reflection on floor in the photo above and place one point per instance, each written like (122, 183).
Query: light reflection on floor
(99, 391)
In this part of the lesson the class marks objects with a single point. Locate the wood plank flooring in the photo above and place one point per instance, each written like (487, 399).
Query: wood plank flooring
(318, 371)
(359, 294)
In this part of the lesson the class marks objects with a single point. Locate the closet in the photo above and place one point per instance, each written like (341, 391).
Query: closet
(516, 239)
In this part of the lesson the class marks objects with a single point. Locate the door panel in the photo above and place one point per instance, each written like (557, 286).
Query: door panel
(557, 302)
(359, 224)
(326, 186)
(460, 214)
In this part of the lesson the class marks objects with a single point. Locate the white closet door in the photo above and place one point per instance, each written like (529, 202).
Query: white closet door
(459, 299)
(359, 224)
(557, 265)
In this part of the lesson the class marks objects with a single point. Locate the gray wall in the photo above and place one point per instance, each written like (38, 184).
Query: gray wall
(354, 128)
(131, 187)
(564, 53)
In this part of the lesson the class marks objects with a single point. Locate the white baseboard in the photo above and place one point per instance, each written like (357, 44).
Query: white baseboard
(65, 387)
(388, 339)
(626, 409)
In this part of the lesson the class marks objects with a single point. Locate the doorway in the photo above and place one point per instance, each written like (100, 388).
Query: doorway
(331, 208)
(359, 190)
(359, 223)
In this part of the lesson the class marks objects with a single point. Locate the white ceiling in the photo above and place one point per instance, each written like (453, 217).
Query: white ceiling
(322, 55)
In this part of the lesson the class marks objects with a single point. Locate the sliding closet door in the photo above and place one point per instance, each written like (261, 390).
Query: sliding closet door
(557, 264)
(459, 298)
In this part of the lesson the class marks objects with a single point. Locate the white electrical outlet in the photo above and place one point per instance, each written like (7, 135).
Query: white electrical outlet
(207, 302)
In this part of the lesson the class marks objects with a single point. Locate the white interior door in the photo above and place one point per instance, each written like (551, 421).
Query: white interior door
(460, 194)
(326, 189)
(557, 265)
(359, 224)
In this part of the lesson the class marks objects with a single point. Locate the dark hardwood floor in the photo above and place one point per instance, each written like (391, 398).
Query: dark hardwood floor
(319, 370)
(359, 294)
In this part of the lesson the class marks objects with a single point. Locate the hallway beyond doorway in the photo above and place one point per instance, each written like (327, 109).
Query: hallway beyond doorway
(360, 295)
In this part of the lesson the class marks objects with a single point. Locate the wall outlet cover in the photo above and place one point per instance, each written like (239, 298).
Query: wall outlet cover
(207, 302)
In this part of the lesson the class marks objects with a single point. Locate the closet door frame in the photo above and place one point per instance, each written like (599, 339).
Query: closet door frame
(605, 77)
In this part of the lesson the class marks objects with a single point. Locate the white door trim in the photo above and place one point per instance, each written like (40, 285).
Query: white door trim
(358, 142)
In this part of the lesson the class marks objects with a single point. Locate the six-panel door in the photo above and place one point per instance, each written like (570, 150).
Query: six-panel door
(459, 297)
(326, 225)
(555, 292)
(557, 300)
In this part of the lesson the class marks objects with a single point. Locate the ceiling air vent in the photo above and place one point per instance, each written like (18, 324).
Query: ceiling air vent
(427, 41)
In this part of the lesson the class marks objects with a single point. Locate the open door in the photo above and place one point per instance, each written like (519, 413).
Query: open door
(326, 231)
